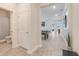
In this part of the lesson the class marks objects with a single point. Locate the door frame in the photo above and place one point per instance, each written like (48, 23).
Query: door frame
(12, 35)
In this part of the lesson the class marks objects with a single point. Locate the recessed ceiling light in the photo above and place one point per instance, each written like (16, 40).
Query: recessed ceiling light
(56, 14)
(54, 6)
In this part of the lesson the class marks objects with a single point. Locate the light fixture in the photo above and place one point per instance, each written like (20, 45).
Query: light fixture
(54, 6)
(56, 14)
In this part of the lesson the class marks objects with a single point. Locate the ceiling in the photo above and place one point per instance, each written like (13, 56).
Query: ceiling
(54, 10)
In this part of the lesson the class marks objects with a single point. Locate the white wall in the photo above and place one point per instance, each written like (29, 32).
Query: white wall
(29, 26)
(36, 26)
(73, 22)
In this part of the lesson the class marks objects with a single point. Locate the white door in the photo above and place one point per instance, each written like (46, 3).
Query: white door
(24, 25)
(23, 33)
(29, 26)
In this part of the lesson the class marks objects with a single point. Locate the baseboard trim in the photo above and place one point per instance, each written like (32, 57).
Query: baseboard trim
(33, 50)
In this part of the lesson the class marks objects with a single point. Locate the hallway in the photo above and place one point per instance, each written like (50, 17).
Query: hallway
(53, 29)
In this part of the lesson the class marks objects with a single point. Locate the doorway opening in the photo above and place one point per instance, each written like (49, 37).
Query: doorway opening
(54, 30)
(5, 27)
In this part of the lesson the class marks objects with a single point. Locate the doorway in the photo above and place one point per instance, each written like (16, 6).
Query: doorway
(5, 27)
(53, 26)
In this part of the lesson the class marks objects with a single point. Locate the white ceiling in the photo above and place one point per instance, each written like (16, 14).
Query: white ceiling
(49, 11)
